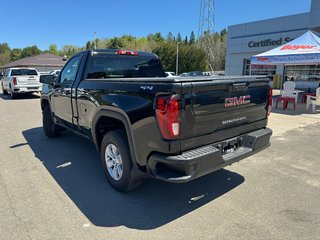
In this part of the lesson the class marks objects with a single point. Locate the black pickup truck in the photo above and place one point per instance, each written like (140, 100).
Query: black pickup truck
(142, 123)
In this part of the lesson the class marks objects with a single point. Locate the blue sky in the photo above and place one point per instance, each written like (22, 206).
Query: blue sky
(41, 23)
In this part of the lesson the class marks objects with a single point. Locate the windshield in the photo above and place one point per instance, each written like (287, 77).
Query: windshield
(115, 66)
(20, 72)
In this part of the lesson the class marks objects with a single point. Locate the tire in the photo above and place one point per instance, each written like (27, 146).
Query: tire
(116, 161)
(50, 129)
(13, 95)
(5, 92)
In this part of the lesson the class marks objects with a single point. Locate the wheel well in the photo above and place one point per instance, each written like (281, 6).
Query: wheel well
(106, 124)
(44, 103)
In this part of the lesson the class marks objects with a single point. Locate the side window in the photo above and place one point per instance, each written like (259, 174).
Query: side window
(69, 73)
(7, 73)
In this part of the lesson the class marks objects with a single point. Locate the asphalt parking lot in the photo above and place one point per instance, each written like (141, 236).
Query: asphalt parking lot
(55, 189)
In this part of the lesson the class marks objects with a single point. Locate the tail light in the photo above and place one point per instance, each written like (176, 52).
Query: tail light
(168, 116)
(125, 52)
(270, 101)
(14, 81)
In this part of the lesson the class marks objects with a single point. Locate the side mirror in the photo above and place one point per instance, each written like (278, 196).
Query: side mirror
(47, 79)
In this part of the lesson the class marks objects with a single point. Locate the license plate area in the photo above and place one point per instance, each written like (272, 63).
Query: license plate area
(230, 145)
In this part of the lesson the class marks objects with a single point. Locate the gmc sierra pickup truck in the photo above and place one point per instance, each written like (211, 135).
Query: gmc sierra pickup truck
(142, 123)
(21, 80)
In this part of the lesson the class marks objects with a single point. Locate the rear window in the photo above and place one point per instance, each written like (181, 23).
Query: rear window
(20, 72)
(114, 66)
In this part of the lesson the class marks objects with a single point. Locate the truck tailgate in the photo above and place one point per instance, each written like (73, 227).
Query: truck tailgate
(27, 80)
(220, 107)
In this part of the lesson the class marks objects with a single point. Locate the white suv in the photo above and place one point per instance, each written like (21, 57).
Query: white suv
(21, 80)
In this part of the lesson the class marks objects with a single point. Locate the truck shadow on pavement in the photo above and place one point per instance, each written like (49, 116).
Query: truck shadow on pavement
(20, 96)
(74, 164)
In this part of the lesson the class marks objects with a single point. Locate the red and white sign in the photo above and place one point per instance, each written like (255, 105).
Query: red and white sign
(296, 47)
(302, 50)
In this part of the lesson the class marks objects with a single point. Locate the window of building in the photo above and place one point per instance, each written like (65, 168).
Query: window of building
(258, 69)
(302, 73)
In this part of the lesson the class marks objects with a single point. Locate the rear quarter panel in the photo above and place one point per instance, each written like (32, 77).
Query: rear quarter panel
(135, 100)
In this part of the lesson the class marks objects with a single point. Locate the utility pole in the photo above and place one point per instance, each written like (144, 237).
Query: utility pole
(94, 40)
(177, 60)
(206, 29)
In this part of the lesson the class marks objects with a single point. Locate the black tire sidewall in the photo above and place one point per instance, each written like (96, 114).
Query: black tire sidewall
(13, 95)
(5, 92)
(118, 139)
(48, 125)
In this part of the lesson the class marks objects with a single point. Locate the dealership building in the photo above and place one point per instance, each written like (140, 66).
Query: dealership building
(248, 39)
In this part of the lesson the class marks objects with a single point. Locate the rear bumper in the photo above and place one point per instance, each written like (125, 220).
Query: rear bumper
(201, 161)
(27, 88)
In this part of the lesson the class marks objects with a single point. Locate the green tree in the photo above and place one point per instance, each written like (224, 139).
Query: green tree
(223, 32)
(53, 49)
(192, 38)
(170, 37)
(179, 38)
(70, 50)
(186, 40)
(116, 43)
(15, 54)
(167, 52)
(97, 41)
(128, 38)
(30, 51)
(191, 57)
(89, 45)
(157, 37)
(4, 47)
(4, 53)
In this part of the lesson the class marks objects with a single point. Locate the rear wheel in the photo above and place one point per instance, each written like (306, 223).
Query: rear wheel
(13, 95)
(49, 127)
(5, 92)
(116, 161)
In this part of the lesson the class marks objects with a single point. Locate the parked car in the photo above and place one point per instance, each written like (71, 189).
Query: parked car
(207, 74)
(55, 72)
(192, 74)
(43, 73)
(170, 74)
(144, 124)
(21, 80)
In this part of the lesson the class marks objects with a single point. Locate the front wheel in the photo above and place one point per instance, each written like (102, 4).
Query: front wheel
(50, 129)
(116, 161)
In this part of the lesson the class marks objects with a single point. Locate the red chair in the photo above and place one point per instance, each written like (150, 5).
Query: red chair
(305, 95)
(285, 101)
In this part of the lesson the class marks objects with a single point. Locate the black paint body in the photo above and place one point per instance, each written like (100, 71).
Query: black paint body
(132, 101)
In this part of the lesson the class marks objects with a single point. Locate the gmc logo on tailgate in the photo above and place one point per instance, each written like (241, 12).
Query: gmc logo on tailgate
(235, 101)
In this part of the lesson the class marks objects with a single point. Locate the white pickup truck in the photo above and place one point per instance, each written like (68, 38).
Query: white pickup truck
(21, 80)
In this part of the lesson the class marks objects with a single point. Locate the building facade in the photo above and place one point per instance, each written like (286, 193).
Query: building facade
(43, 63)
(248, 39)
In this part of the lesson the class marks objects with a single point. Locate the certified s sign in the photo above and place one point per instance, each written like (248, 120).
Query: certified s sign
(236, 101)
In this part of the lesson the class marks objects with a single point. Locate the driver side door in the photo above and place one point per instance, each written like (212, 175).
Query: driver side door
(63, 93)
